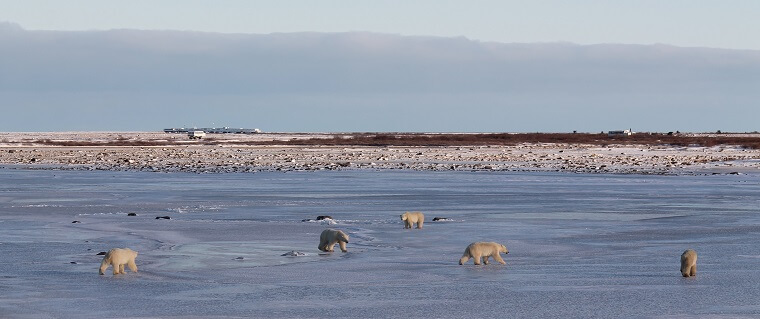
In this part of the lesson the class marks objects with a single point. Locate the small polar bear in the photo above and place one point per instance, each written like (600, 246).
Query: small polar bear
(118, 257)
(485, 250)
(410, 218)
(330, 237)
(689, 263)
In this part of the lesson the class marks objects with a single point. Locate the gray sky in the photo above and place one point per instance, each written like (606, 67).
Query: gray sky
(703, 23)
(471, 76)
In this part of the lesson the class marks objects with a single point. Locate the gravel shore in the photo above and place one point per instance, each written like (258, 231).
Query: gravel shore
(28, 150)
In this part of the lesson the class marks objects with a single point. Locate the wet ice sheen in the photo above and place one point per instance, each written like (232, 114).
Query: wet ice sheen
(580, 245)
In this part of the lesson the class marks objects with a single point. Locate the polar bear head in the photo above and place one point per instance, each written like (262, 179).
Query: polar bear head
(503, 249)
(403, 216)
(342, 237)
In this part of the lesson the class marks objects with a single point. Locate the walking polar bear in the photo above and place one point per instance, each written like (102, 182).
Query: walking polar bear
(410, 218)
(485, 250)
(689, 263)
(117, 258)
(330, 237)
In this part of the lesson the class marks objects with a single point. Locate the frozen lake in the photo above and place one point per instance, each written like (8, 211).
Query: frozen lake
(580, 245)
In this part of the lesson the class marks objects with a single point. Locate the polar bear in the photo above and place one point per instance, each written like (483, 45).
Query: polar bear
(118, 257)
(410, 218)
(689, 263)
(330, 237)
(484, 249)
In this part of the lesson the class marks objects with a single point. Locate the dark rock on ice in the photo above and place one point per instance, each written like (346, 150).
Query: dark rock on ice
(327, 218)
(293, 253)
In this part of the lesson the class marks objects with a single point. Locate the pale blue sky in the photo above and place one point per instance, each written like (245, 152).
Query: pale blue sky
(83, 78)
(730, 24)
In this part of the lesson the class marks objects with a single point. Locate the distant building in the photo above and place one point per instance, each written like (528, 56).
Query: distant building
(196, 134)
(176, 130)
(627, 132)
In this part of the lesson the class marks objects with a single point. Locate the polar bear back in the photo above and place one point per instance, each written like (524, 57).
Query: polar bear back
(483, 248)
(333, 235)
(120, 256)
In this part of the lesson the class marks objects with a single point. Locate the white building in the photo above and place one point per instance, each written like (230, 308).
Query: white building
(627, 132)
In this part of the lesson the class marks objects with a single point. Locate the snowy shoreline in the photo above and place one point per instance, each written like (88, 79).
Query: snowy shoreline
(25, 150)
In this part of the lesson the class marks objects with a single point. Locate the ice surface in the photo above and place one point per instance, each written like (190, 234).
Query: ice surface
(580, 245)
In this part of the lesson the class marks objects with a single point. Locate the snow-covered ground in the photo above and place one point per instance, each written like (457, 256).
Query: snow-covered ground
(580, 245)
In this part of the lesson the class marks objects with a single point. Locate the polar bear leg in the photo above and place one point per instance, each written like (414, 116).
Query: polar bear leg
(497, 257)
(408, 224)
(476, 258)
(121, 269)
(419, 223)
(132, 265)
(331, 246)
(485, 260)
(115, 268)
(693, 270)
(342, 246)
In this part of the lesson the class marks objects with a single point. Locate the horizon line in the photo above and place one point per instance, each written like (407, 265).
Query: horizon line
(9, 25)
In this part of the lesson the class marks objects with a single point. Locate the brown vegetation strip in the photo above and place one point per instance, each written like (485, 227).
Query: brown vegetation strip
(427, 139)
(389, 139)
